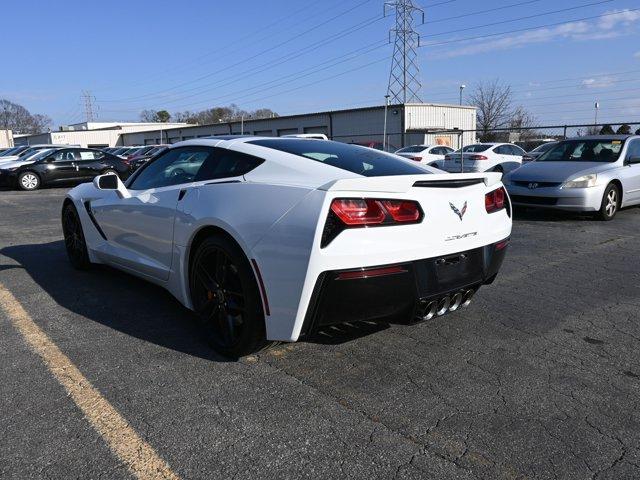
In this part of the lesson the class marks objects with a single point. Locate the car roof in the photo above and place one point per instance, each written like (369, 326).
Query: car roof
(604, 137)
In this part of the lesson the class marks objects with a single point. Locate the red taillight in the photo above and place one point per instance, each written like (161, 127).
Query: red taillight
(494, 201)
(358, 211)
(371, 272)
(370, 211)
(417, 159)
(402, 211)
(502, 245)
(478, 157)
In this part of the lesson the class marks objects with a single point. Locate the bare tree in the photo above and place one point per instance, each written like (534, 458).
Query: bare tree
(521, 119)
(148, 116)
(17, 118)
(494, 103)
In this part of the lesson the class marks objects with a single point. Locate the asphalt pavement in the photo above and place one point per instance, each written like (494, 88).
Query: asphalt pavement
(539, 378)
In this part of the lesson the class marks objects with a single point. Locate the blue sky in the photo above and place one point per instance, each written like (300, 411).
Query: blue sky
(300, 56)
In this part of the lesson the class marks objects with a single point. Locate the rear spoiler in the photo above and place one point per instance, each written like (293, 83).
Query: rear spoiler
(402, 183)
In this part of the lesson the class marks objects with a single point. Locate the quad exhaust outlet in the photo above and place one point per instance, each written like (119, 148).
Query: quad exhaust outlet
(449, 303)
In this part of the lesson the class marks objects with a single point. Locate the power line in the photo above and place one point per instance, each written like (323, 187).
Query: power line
(480, 37)
(232, 79)
(269, 65)
(527, 17)
(258, 54)
(235, 43)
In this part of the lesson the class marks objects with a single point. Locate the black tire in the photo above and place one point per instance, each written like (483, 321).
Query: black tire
(610, 203)
(29, 181)
(74, 240)
(226, 299)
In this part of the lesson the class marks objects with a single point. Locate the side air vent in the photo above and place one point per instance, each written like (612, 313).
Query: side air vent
(457, 183)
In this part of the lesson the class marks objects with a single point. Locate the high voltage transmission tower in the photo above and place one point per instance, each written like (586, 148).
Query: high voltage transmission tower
(88, 100)
(404, 85)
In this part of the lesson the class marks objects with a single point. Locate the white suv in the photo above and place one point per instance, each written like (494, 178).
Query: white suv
(484, 157)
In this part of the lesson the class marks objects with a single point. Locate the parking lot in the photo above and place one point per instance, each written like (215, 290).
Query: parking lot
(538, 378)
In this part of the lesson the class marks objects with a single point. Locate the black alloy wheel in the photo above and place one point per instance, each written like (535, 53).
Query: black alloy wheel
(74, 238)
(225, 297)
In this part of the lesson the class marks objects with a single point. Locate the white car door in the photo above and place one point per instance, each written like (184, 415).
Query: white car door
(139, 229)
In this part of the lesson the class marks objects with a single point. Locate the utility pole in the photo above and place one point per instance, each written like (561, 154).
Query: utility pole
(6, 123)
(597, 108)
(404, 85)
(462, 87)
(88, 100)
(384, 131)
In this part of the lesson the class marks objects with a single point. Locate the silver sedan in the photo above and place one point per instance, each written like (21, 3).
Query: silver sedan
(599, 174)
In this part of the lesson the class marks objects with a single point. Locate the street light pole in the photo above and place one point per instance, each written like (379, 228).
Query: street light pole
(597, 107)
(462, 87)
(384, 132)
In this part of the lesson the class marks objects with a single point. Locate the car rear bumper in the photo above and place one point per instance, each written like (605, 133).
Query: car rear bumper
(410, 291)
(571, 199)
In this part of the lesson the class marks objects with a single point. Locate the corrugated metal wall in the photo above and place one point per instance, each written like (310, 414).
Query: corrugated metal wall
(358, 125)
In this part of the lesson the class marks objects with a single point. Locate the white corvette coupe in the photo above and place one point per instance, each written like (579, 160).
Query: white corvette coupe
(271, 239)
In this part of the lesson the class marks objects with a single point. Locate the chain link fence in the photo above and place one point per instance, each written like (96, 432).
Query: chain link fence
(526, 137)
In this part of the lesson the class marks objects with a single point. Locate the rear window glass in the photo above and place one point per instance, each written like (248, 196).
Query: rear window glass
(480, 147)
(605, 150)
(413, 149)
(353, 158)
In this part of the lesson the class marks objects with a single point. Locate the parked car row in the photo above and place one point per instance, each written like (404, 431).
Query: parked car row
(598, 174)
(41, 165)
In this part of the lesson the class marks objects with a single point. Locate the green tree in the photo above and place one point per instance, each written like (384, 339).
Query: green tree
(163, 116)
(606, 130)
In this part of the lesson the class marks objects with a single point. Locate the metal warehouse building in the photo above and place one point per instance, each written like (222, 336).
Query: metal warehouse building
(92, 134)
(407, 124)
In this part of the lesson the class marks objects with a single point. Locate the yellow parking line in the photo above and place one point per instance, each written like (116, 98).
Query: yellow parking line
(123, 440)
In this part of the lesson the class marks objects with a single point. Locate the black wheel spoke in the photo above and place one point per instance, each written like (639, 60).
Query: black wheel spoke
(205, 278)
(221, 267)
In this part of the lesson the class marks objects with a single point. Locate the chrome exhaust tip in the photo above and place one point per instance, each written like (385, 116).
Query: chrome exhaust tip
(430, 311)
(456, 301)
(443, 306)
(466, 299)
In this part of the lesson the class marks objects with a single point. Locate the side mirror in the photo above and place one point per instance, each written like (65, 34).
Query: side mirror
(111, 181)
(632, 160)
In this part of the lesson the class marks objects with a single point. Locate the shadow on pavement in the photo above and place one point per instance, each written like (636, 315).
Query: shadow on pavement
(112, 298)
(133, 306)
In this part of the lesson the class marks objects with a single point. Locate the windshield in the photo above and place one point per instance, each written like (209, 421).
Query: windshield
(28, 152)
(361, 160)
(477, 148)
(9, 152)
(600, 150)
(412, 149)
(38, 155)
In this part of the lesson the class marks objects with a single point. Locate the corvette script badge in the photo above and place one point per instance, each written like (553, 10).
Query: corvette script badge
(461, 212)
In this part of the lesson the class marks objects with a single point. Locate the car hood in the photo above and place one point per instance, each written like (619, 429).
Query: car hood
(557, 171)
(13, 164)
(8, 158)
